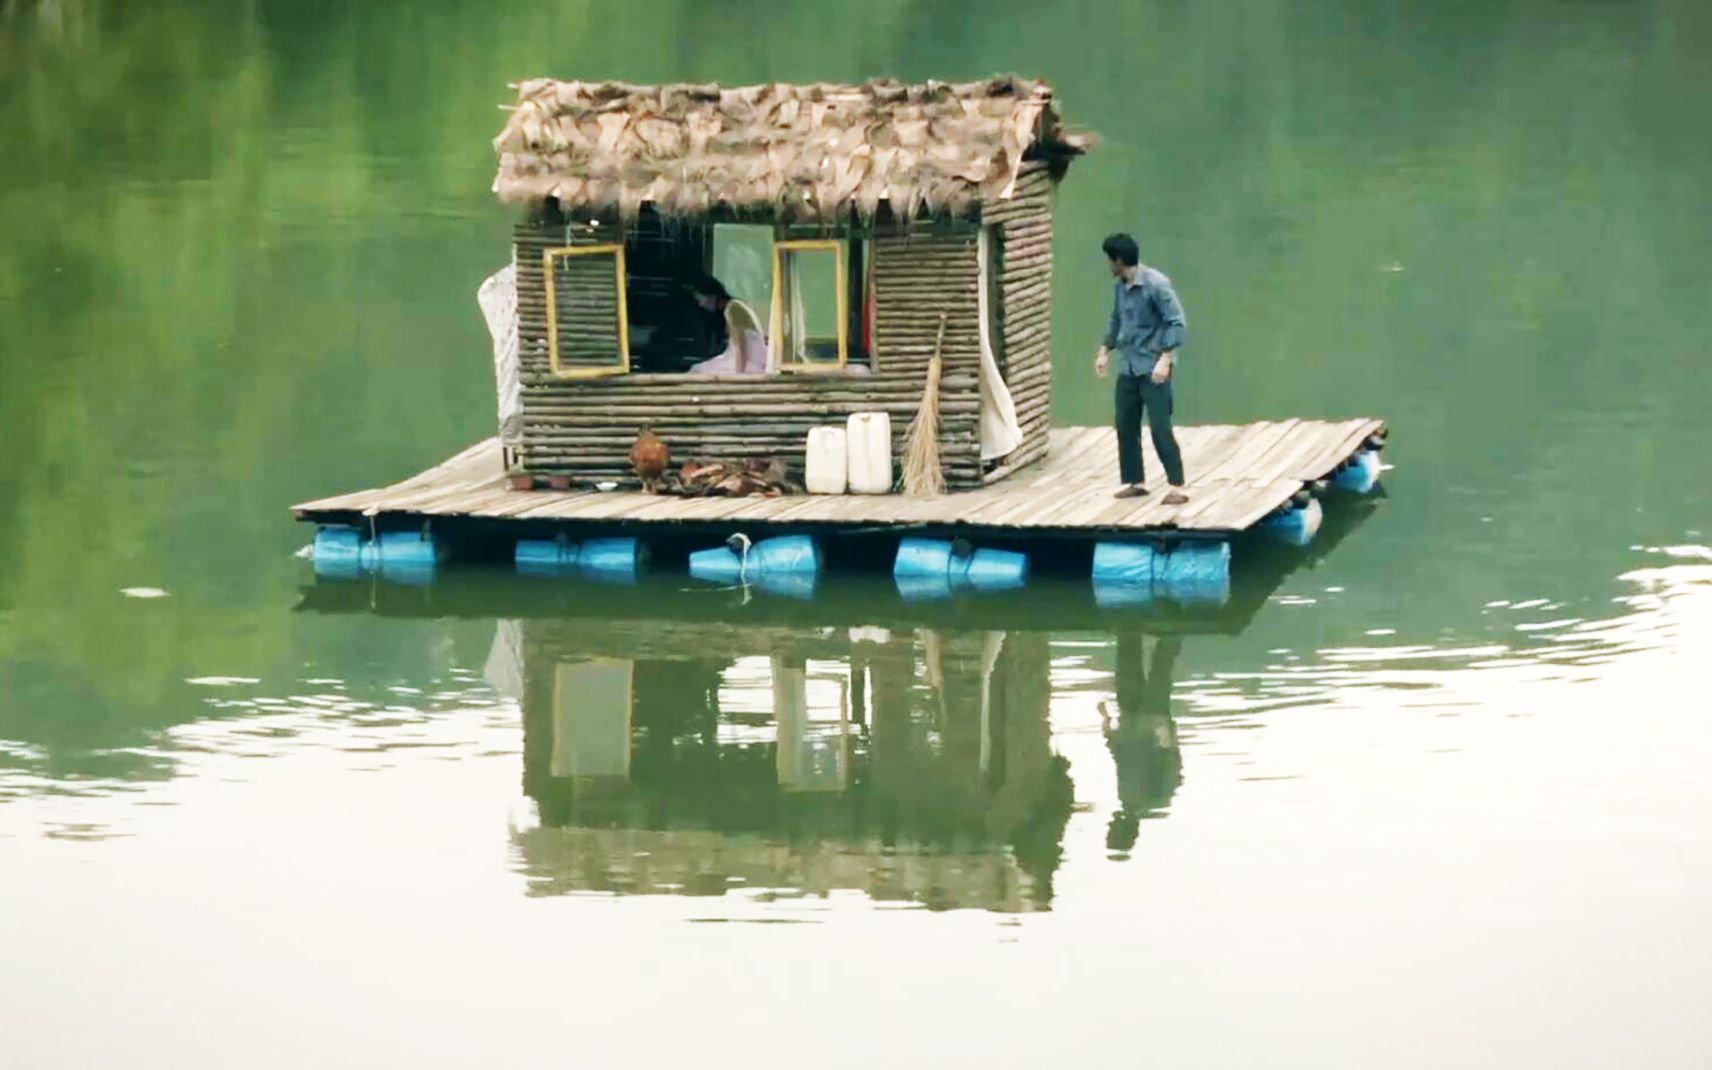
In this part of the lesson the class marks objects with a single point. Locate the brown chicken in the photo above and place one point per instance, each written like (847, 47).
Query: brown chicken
(649, 458)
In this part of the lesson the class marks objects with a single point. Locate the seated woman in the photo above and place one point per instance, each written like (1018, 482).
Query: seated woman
(745, 351)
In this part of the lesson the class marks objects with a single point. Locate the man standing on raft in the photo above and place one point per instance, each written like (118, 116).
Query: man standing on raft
(1146, 328)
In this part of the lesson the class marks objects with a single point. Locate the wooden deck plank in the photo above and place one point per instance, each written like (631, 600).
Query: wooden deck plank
(1243, 513)
(1131, 513)
(1059, 508)
(523, 501)
(433, 499)
(1237, 473)
(817, 507)
(1204, 464)
(702, 510)
(609, 505)
(660, 507)
(1204, 505)
(1003, 510)
(1210, 452)
(451, 499)
(1112, 512)
(1071, 475)
(936, 509)
(495, 494)
(1080, 452)
(1151, 511)
(559, 505)
(1298, 447)
(1252, 449)
(1257, 473)
(1340, 445)
(1013, 509)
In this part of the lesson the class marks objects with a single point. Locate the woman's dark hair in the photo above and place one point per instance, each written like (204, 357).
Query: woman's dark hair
(703, 283)
(1122, 248)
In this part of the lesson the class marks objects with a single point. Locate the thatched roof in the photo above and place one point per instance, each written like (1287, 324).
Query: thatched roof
(791, 151)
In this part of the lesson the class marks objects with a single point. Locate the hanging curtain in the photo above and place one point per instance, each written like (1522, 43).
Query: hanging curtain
(1000, 432)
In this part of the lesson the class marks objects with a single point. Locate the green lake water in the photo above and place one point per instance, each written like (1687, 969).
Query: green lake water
(1431, 794)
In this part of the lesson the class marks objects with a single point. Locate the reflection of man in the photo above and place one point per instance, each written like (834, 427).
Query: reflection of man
(1144, 740)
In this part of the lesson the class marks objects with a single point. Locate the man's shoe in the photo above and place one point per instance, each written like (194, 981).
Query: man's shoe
(1176, 497)
(1135, 491)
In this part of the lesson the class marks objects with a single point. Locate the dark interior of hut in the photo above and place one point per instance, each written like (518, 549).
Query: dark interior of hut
(670, 332)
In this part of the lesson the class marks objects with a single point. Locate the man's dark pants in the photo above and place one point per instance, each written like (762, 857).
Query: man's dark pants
(1135, 393)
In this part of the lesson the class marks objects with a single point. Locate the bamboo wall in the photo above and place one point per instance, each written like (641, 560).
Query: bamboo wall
(584, 428)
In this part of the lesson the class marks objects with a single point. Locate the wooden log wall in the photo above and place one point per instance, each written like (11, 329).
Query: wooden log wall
(1024, 226)
(576, 341)
(918, 276)
(585, 427)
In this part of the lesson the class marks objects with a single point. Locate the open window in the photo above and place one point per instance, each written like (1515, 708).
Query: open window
(593, 700)
(742, 257)
(588, 331)
(811, 320)
(624, 308)
(668, 333)
(811, 701)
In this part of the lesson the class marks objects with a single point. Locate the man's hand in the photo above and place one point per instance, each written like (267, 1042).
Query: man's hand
(1102, 360)
(1162, 368)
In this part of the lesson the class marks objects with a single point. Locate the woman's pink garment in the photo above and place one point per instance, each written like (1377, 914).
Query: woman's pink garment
(746, 353)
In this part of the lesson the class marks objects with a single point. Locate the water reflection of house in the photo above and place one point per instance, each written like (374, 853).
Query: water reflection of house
(694, 758)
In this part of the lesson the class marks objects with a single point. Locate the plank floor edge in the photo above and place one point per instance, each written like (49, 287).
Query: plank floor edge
(1251, 470)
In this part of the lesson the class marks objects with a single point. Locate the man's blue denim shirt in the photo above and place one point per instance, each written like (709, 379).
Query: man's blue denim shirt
(1147, 319)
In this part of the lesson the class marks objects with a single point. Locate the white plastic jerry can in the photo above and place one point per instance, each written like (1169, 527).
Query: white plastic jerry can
(870, 446)
(826, 465)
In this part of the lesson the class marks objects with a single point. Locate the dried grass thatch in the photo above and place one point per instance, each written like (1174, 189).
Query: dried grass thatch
(789, 152)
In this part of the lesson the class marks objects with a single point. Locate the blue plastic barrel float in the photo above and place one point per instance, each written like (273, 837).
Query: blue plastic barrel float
(614, 560)
(992, 570)
(338, 551)
(788, 584)
(1360, 474)
(1196, 573)
(1138, 573)
(546, 557)
(933, 568)
(1294, 525)
(1123, 574)
(795, 555)
(785, 564)
(344, 552)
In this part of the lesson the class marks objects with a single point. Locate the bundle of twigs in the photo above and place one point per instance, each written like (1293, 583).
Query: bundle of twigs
(923, 476)
(752, 477)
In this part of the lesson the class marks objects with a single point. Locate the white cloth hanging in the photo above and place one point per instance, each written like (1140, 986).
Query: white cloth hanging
(504, 669)
(1000, 432)
(497, 297)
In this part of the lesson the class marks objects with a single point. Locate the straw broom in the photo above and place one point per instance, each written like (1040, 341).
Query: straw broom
(923, 477)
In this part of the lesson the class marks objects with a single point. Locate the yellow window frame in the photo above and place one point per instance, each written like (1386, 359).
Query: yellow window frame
(777, 319)
(623, 365)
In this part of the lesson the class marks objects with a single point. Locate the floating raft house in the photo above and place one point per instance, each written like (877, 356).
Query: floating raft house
(892, 223)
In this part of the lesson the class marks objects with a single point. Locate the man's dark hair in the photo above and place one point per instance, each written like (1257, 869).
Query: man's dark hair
(1123, 249)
